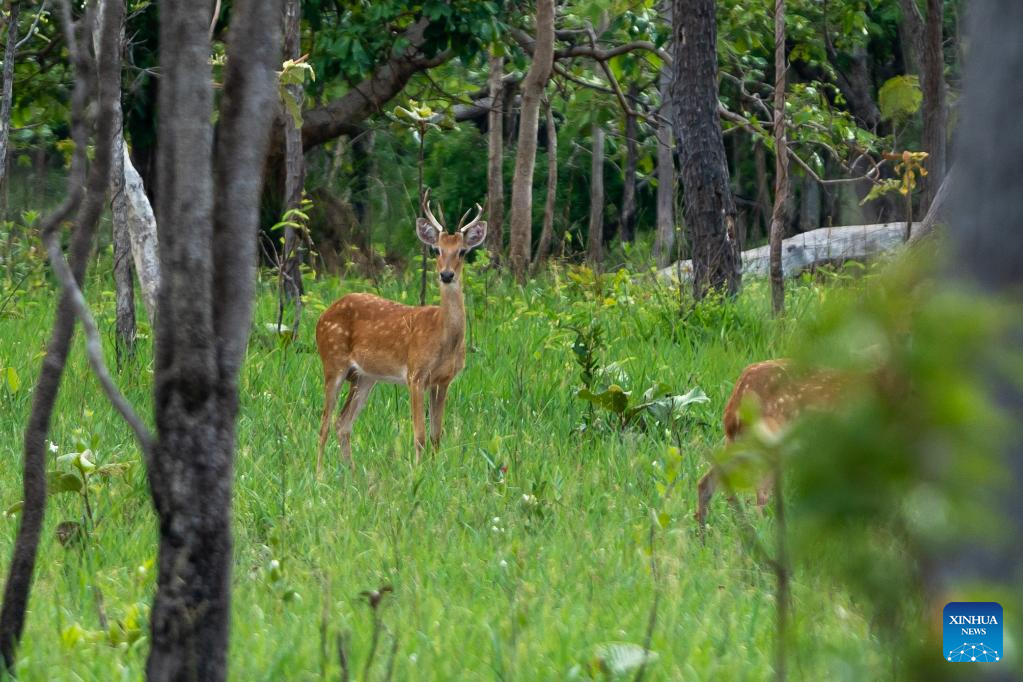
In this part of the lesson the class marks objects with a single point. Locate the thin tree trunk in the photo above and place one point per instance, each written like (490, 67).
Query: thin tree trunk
(362, 201)
(781, 162)
(142, 233)
(763, 188)
(525, 155)
(204, 316)
(925, 36)
(932, 80)
(595, 235)
(664, 239)
(124, 283)
(495, 160)
(709, 207)
(85, 200)
(547, 233)
(628, 215)
(291, 288)
(7, 94)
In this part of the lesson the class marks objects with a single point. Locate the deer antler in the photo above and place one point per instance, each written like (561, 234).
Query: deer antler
(428, 213)
(479, 214)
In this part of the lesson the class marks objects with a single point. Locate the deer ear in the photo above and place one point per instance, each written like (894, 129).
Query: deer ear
(474, 235)
(426, 232)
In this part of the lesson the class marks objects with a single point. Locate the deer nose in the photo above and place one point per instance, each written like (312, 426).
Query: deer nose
(447, 276)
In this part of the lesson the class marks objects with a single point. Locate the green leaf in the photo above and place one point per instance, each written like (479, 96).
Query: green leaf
(13, 380)
(900, 97)
(58, 482)
(614, 399)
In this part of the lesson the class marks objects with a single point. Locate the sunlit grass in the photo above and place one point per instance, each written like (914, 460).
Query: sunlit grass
(487, 583)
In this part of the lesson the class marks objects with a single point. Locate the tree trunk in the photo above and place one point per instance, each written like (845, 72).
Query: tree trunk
(7, 89)
(932, 81)
(664, 241)
(525, 156)
(987, 204)
(291, 288)
(781, 162)
(709, 207)
(362, 193)
(142, 233)
(495, 160)
(628, 216)
(85, 201)
(763, 188)
(124, 284)
(925, 37)
(208, 251)
(595, 235)
(547, 233)
(809, 205)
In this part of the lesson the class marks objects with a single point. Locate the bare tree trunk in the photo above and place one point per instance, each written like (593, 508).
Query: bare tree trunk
(124, 283)
(925, 35)
(362, 203)
(809, 205)
(547, 233)
(291, 288)
(781, 162)
(85, 200)
(525, 155)
(987, 204)
(937, 209)
(142, 233)
(628, 217)
(204, 316)
(664, 239)
(7, 94)
(495, 160)
(709, 207)
(595, 235)
(763, 188)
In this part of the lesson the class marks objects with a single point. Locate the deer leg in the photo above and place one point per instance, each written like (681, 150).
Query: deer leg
(418, 416)
(764, 491)
(358, 394)
(705, 490)
(332, 386)
(438, 394)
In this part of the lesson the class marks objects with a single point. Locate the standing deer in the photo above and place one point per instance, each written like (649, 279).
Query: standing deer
(781, 398)
(364, 339)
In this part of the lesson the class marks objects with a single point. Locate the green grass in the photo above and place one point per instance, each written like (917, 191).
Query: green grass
(486, 585)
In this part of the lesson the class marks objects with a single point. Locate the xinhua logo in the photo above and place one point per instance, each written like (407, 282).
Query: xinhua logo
(972, 632)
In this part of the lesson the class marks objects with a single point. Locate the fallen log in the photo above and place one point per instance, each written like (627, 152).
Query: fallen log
(823, 246)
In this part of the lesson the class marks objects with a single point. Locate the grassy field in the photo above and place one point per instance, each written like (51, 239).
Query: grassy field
(515, 552)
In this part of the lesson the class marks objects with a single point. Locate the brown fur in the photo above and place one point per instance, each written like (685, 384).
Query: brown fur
(781, 398)
(364, 339)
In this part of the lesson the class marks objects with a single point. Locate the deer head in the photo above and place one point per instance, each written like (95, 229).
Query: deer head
(451, 249)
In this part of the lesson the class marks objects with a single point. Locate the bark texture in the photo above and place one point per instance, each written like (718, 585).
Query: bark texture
(664, 241)
(627, 225)
(495, 160)
(709, 206)
(142, 234)
(520, 239)
(987, 203)
(204, 316)
(290, 289)
(925, 36)
(7, 88)
(86, 192)
(543, 249)
(781, 162)
(595, 234)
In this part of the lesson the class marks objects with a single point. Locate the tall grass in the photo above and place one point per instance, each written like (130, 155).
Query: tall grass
(514, 551)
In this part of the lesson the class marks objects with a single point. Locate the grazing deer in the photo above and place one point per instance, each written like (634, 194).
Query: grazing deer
(781, 398)
(364, 339)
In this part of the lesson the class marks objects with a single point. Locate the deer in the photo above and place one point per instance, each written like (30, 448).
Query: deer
(782, 397)
(365, 340)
